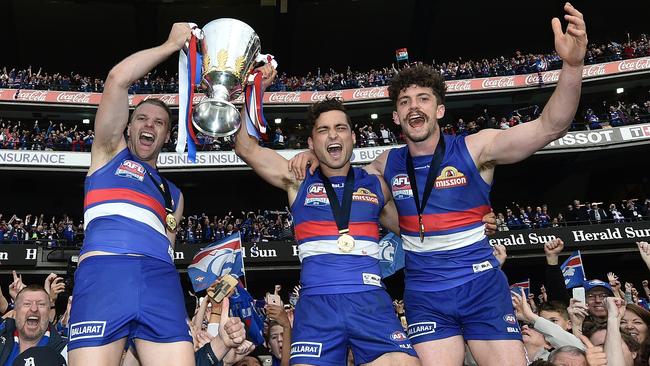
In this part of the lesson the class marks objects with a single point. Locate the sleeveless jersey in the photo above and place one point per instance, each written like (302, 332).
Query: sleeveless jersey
(124, 212)
(455, 249)
(325, 268)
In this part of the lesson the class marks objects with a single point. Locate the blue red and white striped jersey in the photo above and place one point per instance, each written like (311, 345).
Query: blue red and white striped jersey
(124, 212)
(455, 249)
(325, 268)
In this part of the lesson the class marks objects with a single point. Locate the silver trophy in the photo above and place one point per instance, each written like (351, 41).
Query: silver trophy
(229, 49)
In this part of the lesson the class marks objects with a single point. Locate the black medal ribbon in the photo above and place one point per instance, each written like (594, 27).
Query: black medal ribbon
(434, 166)
(341, 214)
(163, 188)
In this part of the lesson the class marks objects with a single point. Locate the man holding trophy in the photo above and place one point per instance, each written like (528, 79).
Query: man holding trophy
(127, 285)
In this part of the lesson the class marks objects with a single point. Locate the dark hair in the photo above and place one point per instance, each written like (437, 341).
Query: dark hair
(271, 324)
(588, 329)
(420, 75)
(554, 306)
(156, 102)
(640, 312)
(327, 105)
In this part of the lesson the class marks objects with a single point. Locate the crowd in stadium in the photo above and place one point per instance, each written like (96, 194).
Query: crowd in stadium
(69, 136)
(128, 255)
(165, 82)
(556, 327)
(525, 217)
(277, 225)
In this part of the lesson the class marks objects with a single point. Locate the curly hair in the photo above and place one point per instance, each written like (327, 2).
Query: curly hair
(326, 105)
(420, 75)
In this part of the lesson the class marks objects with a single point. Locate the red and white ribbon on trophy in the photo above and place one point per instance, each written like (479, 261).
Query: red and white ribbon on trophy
(189, 75)
(255, 122)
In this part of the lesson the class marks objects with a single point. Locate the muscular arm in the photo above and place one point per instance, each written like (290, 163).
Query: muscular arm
(491, 147)
(112, 114)
(267, 163)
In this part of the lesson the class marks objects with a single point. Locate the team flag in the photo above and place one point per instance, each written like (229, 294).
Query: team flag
(573, 271)
(216, 260)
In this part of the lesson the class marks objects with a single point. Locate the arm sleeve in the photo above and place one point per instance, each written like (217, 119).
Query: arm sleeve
(205, 357)
(555, 288)
(555, 335)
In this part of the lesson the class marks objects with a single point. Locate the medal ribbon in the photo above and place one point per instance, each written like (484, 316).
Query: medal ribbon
(341, 215)
(163, 188)
(436, 160)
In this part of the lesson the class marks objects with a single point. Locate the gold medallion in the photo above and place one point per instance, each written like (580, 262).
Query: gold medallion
(345, 243)
(171, 222)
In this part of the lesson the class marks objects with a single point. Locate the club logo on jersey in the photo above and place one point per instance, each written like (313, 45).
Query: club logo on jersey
(306, 349)
(401, 187)
(510, 319)
(398, 336)
(84, 330)
(131, 169)
(364, 195)
(316, 195)
(450, 177)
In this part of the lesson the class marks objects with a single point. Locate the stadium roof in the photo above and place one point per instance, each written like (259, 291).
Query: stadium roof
(90, 36)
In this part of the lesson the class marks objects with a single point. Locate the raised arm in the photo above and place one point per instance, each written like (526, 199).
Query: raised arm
(113, 112)
(267, 163)
(491, 147)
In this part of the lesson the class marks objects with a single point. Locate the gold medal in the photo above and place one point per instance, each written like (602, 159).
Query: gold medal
(421, 228)
(171, 222)
(345, 243)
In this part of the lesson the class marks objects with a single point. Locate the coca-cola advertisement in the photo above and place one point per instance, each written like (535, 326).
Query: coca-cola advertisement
(307, 97)
(458, 86)
(75, 98)
(498, 82)
(634, 64)
(370, 93)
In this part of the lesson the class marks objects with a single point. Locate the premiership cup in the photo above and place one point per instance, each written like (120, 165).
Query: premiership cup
(229, 48)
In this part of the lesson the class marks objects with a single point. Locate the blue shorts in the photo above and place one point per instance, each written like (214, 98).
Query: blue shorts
(326, 325)
(480, 309)
(117, 296)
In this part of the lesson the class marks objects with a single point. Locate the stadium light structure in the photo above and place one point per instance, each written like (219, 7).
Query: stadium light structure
(374, 116)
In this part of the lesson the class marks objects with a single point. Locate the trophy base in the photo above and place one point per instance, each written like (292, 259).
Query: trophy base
(216, 118)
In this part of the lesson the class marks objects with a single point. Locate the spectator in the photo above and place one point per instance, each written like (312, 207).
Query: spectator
(278, 141)
(30, 328)
(568, 356)
(279, 335)
(636, 321)
(597, 215)
(596, 293)
(592, 119)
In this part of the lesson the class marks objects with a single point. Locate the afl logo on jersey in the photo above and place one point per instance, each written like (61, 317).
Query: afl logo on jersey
(131, 169)
(401, 187)
(450, 177)
(316, 195)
